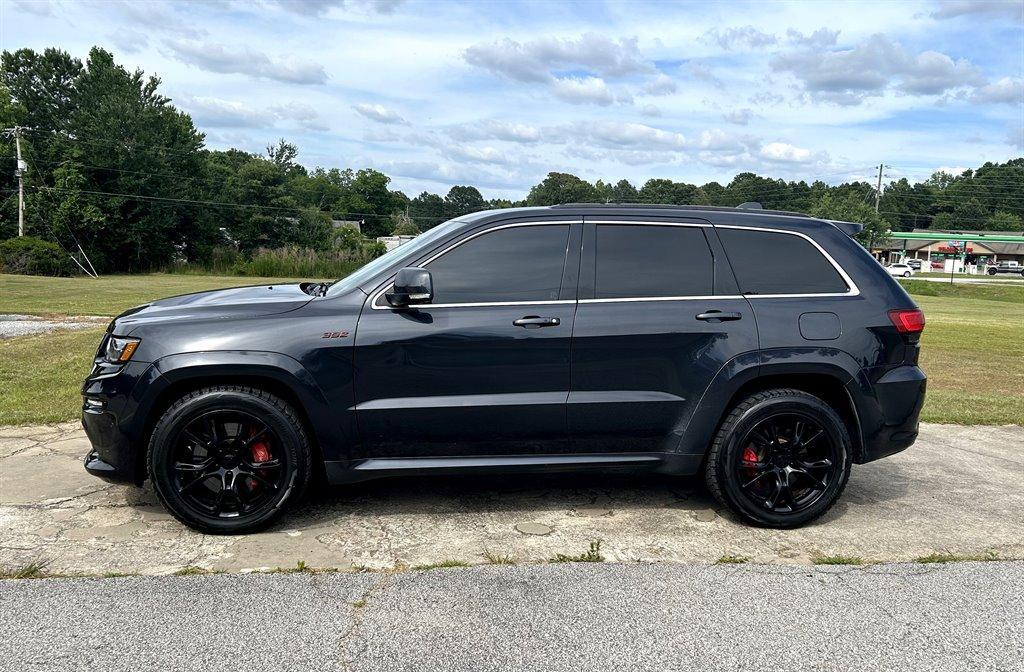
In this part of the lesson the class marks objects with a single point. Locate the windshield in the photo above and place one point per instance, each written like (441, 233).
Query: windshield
(410, 249)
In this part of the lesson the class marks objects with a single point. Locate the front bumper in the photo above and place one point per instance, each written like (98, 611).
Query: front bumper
(110, 421)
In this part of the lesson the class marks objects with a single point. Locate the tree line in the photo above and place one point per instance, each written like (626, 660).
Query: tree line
(116, 168)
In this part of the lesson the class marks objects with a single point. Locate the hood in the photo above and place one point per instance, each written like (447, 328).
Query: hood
(237, 302)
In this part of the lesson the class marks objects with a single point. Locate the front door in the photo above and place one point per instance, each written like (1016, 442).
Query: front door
(659, 316)
(484, 369)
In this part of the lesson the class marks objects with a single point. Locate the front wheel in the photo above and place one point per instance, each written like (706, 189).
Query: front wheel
(780, 459)
(228, 459)
(992, 271)
(907, 274)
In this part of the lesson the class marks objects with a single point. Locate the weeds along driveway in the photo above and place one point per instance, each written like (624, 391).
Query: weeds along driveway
(957, 491)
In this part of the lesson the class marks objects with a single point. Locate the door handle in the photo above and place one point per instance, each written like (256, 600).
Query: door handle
(534, 322)
(719, 316)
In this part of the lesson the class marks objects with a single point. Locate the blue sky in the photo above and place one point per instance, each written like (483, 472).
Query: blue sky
(496, 94)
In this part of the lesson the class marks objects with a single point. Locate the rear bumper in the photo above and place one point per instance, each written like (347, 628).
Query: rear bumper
(890, 415)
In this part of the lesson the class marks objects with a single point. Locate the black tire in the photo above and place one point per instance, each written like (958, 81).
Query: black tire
(281, 428)
(993, 271)
(907, 274)
(723, 467)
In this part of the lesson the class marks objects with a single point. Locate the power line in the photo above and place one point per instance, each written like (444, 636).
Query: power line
(186, 201)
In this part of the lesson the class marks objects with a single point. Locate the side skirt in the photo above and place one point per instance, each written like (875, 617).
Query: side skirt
(342, 471)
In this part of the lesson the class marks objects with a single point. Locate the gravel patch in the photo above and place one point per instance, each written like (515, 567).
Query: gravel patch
(14, 325)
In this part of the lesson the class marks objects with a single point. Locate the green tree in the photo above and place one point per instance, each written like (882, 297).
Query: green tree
(850, 208)
(427, 210)
(462, 200)
(402, 225)
(560, 188)
(1004, 221)
(624, 192)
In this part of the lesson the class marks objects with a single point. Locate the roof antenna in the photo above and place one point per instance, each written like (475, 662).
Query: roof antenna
(749, 205)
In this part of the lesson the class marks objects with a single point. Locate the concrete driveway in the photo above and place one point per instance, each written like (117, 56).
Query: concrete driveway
(958, 490)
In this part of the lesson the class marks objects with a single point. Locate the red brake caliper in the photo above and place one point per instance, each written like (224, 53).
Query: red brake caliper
(749, 459)
(260, 453)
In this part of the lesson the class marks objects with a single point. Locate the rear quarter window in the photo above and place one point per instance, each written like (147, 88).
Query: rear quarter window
(779, 263)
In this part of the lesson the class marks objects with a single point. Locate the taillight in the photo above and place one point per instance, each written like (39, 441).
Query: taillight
(909, 321)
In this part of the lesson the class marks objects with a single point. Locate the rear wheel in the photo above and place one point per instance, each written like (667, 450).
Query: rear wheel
(781, 458)
(906, 274)
(228, 459)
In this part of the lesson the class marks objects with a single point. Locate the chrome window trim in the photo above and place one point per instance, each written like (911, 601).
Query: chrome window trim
(696, 225)
(665, 298)
(546, 222)
(852, 291)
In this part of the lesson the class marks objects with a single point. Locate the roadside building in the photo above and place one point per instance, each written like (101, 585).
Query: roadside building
(933, 253)
(391, 242)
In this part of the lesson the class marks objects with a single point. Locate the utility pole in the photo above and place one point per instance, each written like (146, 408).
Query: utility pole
(878, 189)
(19, 172)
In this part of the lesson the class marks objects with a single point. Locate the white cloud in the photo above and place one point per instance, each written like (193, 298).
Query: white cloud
(244, 60)
(1006, 90)
(536, 60)
(649, 110)
(322, 7)
(744, 37)
(215, 112)
(662, 85)
(379, 113)
(872, 67)
(784, 153)
(1005, 9)
(739, 117)
(631, 135)
(493, 129)
(582, 90)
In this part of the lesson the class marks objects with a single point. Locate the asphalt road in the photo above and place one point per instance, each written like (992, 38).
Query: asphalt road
(964, 616)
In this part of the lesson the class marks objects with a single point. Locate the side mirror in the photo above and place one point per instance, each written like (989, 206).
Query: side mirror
(412, 285)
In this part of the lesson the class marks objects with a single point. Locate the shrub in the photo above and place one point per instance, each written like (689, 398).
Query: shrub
(301, 262)
(27, 255)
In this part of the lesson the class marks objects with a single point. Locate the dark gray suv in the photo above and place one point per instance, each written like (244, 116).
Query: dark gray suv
(767, 351)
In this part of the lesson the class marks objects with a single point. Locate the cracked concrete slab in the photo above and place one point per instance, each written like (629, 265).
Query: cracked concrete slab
(958, 490)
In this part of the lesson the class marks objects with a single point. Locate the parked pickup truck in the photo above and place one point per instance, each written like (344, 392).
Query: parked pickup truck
(1014, 267)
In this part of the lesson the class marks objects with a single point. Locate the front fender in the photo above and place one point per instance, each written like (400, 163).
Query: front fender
(333, 427)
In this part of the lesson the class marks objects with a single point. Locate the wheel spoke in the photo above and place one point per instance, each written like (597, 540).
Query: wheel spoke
(824, 463)
(195, 481)
(755, 479)
(813, 438)
(816, 483)
(269, 464)
(253, 435)
(773, 499)
(193, 467)
(195, 438)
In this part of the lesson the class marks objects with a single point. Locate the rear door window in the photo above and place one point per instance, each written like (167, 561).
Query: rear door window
(779, 263)
(648, 261)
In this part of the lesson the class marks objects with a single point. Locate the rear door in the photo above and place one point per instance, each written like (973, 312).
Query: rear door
(484, 369)
(659, 315)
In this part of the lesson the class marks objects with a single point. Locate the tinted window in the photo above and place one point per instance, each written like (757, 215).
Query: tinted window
(518, 264)
(648, 261)
(779, 263)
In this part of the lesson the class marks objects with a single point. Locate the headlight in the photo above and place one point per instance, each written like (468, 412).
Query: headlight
(120, 349)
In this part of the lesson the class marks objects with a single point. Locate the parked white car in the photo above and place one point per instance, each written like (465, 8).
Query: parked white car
(900, 270)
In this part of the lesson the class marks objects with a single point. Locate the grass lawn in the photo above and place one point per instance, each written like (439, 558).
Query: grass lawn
(106, 295)
(973, 348)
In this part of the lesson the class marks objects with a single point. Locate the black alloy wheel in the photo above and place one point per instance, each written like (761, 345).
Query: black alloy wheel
(229, 459)
(781, 458)
(787, 462)
(227, 463)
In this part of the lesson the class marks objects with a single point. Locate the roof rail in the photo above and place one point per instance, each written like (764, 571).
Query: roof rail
(849, 228)
(749, 205)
